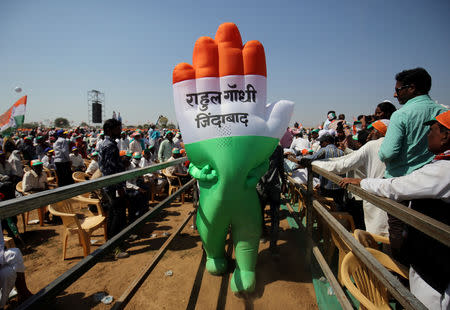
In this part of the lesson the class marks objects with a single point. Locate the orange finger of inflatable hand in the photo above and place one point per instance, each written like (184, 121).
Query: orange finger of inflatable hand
(183, 71)
(205, 58)
(254, 58)
(229, 44)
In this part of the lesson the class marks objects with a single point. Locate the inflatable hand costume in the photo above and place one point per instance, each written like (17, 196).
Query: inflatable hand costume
(229, 134)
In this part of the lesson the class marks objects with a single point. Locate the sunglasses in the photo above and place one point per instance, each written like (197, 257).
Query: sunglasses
(400, 88)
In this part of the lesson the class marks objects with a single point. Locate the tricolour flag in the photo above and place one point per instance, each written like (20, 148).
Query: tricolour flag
(15, 115)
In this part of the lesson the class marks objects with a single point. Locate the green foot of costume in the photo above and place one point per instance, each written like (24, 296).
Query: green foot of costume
(216, 266)
(229, 134)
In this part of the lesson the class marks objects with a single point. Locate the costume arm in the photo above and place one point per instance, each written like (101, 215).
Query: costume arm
(205, 174)
(430, 181)
(392, 143)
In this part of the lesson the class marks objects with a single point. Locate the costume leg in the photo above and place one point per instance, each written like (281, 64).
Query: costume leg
(246, 229)
(212, 225)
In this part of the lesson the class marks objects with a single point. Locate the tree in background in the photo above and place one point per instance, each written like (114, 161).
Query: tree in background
(62, 122)
(31, 125)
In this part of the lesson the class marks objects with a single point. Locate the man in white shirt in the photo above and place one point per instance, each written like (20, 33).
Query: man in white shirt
(136, 192)
(135, 144)
(62, 160)
(35, 180)
(428, 188)
(299, 143)
(93, 165)
(99, 141)
(177, 141)
(178, 170)
(77, 160)
(366, 164)
(12, 273)
(123, 142)
(48, 160)
(156, 180)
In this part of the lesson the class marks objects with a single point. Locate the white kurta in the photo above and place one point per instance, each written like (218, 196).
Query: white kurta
(299, 144)
(77, 160)
(430, 181)
(32, 181)
(11, 262)
(366, 164)
(123, 144)
(93, 166)
(135, 146)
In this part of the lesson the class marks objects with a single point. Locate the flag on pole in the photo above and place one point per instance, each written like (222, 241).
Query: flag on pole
(15, 115)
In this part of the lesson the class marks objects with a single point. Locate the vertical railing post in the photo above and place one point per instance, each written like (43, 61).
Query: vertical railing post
(309, 215)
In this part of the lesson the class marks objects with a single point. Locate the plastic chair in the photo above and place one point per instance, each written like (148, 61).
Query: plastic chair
(52, 177)
(9, 242)
(174, 184)
(365, 287)
(78, 224)
(79, 176)
(347, 221)
(25, 216)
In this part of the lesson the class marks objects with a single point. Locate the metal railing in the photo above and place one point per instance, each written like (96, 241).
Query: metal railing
(429, 226)
(27, 203)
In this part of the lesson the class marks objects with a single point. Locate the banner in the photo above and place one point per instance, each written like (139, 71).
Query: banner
(15, 115)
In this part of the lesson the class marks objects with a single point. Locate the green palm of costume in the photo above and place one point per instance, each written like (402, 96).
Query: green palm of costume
(228, 170)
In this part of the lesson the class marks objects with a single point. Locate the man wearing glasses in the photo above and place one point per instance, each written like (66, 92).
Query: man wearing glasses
(404, 148)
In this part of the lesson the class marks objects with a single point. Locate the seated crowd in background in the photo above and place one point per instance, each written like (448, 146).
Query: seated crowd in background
(400, 154)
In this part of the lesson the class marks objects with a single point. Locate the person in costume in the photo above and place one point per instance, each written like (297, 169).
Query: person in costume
(229, 133)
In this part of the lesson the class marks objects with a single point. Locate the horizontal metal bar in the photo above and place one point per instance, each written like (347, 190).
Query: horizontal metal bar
(38, 300)
(137, 282)
(426, 224)
(403, 295)
(23, 204)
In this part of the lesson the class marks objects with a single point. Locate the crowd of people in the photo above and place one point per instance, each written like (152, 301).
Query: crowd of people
(400, 154)
(33, 158)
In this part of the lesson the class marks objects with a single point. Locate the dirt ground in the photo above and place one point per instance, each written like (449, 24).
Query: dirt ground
(281, 284)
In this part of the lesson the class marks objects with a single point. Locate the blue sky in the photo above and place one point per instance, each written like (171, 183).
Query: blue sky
(323, 55)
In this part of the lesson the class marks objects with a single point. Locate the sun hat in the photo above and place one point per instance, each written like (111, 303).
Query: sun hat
(380, 125)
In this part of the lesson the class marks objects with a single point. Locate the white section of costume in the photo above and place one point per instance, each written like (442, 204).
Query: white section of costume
(233, 105)
(368, 165)
(427, 295)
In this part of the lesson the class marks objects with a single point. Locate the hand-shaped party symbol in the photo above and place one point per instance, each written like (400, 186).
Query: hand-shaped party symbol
(229, 134)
